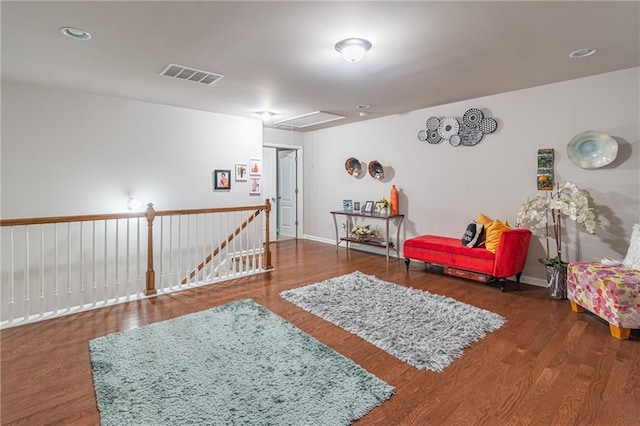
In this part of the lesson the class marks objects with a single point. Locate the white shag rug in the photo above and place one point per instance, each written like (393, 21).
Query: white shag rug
(425, 330)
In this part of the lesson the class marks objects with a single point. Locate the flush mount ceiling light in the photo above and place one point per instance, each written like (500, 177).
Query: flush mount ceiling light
(353, 49)
(75, 33)
(266, 116)
(582, 53)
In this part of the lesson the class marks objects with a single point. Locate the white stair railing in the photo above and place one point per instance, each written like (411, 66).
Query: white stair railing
(61, 265)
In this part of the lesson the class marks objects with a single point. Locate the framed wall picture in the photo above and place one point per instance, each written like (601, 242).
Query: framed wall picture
(254, 185)
(242, 171)
(221, 179)
(255, 167)
(544, 177)
(368, 207)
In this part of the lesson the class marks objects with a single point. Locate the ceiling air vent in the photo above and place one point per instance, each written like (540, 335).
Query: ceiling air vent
(191, 74)
(311, 119)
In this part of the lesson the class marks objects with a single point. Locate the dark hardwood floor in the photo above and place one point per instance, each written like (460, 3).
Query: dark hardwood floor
(547, 365)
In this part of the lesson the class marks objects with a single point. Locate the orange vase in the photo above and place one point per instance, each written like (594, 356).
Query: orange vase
(395, 208)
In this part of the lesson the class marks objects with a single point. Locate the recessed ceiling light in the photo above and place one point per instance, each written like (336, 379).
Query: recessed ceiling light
(353, 49)
(75, 33)
(582, 53)
(363, 113)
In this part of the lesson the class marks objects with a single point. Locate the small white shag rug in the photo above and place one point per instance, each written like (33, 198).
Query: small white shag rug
(424, 330)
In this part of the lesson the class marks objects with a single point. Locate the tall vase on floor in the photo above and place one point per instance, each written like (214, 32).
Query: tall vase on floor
(557, 281)
(395, 208)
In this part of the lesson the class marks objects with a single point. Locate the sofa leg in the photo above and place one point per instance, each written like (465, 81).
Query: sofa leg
(518, 275)
(406, 262)
(575, 307)
(619, 333)
(503, 284)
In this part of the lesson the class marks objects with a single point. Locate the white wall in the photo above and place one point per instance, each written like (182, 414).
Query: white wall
(66, 152)
(442, 188)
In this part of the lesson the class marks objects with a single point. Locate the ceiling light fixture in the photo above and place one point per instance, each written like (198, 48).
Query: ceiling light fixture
(582, 53)
(266, 116)
(353, 49)
(75, 33)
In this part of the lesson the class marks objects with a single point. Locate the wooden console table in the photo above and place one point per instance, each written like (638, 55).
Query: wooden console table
(386, 243)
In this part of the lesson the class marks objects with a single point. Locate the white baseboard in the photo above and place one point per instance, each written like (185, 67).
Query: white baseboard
(525, 279)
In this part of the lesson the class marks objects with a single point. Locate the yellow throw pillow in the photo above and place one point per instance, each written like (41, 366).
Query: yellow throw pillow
(486, 221)
(492, 234)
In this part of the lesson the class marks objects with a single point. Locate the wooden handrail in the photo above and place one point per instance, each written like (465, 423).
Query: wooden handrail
(150, 214)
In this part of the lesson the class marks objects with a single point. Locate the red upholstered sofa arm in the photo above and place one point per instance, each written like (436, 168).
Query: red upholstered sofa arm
(511, 254)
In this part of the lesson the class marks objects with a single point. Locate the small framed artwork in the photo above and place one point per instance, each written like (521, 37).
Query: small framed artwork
(242, 171)
(544, 177)
(254, 185)
(221, 179)
(356, 206)
(368, 207)
(255, 167)
(347, 205)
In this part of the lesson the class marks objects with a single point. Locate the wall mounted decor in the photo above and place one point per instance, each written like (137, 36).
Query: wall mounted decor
(221, 179)
(466, 132)
(255, 167)
(591, 149)
(376, 170)
(242, 171)
(254, 186)
(353, 166)
(544, 177)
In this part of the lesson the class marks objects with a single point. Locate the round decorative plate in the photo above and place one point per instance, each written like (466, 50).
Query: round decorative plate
(433, 137)
(376, 170)
(472, 117)
(591, 150)
(448, 126)
(353, 166)
(433, 123)
(422, 135)
(455, 140)
(488, 125)
(470, 136)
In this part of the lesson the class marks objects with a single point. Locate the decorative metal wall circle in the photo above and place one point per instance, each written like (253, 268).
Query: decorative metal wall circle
(448, 126)
(472, 117)
(488, 125)
(433, 137)
(433, 123)
(468, 131)
(455, 140)
(470, 136)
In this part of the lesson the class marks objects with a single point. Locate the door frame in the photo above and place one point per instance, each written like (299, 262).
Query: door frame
(299, 178)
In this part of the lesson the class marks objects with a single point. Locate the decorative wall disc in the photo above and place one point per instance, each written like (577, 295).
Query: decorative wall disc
(448, 126)
(470, 136)
(433, 137)
(488, 125)
(433, 123)
(422, 135)
(455, 140)
(472, 117)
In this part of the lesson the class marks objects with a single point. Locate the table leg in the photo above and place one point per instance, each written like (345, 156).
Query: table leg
(387, 238)
(335, 225)
(397, 245)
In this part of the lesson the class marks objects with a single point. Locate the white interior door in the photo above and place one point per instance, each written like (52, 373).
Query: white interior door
(269, 174)
(287, 192)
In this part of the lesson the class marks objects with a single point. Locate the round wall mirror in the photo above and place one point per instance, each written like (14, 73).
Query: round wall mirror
(353, 167)
(376, 170)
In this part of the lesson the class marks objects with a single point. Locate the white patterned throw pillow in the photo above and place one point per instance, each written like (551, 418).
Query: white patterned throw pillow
(632, 260)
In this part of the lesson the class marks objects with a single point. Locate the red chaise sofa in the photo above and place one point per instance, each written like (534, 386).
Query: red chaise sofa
(473, 263)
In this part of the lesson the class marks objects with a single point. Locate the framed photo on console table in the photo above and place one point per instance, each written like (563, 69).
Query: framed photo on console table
(368, 207)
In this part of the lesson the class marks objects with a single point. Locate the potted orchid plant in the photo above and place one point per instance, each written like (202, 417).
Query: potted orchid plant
(546, 210)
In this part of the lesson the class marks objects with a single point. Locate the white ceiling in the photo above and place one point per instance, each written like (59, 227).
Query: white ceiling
(280, 56)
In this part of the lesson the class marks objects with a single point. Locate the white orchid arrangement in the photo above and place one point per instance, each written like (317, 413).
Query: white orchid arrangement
(567, 200)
